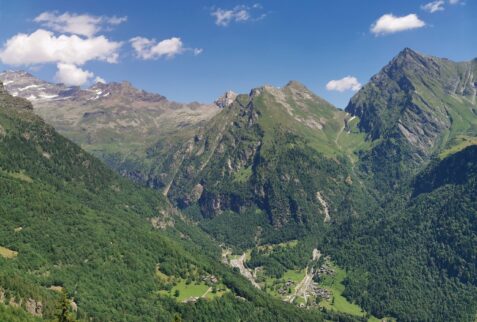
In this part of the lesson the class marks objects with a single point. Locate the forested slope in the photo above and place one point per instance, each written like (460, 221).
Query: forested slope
(69, 223)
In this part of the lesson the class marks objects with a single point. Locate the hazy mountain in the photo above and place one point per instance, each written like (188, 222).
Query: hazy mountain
(116, 122)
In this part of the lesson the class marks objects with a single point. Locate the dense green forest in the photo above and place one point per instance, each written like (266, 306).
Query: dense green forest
(69, 223)
(424, 247)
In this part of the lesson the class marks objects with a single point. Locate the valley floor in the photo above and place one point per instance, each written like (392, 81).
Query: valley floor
(319, 285)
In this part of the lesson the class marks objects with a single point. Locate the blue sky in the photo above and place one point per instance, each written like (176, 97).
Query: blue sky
(254, 42)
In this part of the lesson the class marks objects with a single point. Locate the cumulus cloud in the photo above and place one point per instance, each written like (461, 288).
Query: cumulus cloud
(67, 51)
(242, 13)
(43, 46)
(79, 24)
(70, 74)
(151, 49)
(70, 40)
(345, 84)
(388, 24)
(434, 6)
(99, 80)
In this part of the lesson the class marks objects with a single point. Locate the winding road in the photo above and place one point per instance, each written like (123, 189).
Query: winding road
(302, 288)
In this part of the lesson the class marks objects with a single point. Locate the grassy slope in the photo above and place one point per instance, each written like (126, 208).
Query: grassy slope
(292, 114)
(339, 303)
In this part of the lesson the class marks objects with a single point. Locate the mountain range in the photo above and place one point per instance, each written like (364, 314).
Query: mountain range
(360, 214)
(115, 121)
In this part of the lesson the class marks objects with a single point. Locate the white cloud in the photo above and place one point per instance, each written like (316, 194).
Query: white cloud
(345, 84)
(242, 13)
(116, 20)
(71, 40)
(44, 47)
(434, 6)
(99, 80)
(85, 25)
(151, 49)
(454, 1)
(70, 74)
(388, 24)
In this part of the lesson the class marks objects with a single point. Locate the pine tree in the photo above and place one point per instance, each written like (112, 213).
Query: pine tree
(64, 306)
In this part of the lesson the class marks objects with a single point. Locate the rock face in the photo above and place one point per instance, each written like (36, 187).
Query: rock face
(408, 108)
(226, 100)
(23, 84)
(34, 307)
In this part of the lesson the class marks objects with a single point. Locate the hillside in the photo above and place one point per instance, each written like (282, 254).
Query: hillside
(275, 161)
(69, 223)
(423, 247)
(419, 116)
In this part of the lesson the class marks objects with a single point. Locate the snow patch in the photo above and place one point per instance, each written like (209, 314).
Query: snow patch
(46, 96)
(27, 87)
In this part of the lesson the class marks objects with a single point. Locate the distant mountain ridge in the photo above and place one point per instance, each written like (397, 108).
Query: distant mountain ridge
(115, 121)
(25, 85)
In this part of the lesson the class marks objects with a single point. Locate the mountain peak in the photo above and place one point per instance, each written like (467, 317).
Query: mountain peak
(23, 84)
(124, 89)
(296, 85)
(8, 75)
(408, 51)
(408, 57)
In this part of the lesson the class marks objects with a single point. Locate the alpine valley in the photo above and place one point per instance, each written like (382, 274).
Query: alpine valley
(273, 205)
